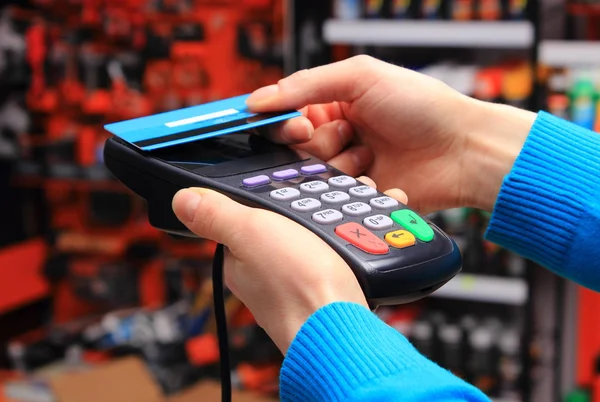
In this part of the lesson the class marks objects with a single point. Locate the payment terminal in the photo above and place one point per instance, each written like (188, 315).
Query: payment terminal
(397, 255)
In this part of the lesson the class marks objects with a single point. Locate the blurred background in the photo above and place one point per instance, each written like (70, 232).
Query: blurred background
(93, 300)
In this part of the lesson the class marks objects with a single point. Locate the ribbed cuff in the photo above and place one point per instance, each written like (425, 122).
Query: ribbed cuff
(541, 201)
(344, 350)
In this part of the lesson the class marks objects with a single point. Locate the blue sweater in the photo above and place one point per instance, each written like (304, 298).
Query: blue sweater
(548, 210)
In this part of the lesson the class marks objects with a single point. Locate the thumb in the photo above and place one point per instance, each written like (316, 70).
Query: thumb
(344, 81)
(209, 214)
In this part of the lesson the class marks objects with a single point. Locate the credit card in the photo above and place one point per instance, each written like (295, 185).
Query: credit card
(194, 123)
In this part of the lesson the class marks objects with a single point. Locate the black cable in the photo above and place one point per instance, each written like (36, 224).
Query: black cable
(221, 321)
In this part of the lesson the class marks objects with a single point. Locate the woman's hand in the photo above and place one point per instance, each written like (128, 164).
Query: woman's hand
(280, 270)
(443, 148)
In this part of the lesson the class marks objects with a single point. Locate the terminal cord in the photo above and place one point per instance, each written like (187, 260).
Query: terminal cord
(221, 321)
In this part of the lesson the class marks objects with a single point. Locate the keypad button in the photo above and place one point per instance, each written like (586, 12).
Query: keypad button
(378, 222)
(313, 169)
(356, 209)
(315, 186)
(400, 238)
(335, 197)
(285, 174)
(384, 202)
(306, 205)
(327, 216)
(342, 181)
(362, 238)
(362, 191)
(285, 194)
(412, 222)
(256, 181)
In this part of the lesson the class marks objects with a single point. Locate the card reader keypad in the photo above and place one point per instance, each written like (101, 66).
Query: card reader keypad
(316, 186)
(306, 205)
(313, 169)
(335, 197)
(327, 216)
(356, 209)
(378, 222)
(342, 181)
(284, 194)
(384, 202)
(286, 174)
(363, 191)
(256, 181)
(341, 200)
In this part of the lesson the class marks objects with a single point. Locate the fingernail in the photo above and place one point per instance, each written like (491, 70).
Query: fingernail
(262, 94)
(190, 199)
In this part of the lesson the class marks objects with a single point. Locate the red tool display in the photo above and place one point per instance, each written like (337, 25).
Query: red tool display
(99, 61)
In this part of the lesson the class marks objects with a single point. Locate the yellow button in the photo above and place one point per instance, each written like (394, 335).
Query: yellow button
(400, 238)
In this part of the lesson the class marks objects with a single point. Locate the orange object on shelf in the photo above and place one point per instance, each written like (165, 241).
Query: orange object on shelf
(488, 83)
(203, 350)
(21, 279)
(254, 377)
(517, 82)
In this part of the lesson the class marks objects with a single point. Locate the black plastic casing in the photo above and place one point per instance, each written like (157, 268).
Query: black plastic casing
(401, 276)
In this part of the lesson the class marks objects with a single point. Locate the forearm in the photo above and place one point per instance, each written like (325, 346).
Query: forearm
(345, 353)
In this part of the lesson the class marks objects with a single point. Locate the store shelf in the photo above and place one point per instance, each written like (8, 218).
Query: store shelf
(510, 34)
(569, 53)
(491, 289)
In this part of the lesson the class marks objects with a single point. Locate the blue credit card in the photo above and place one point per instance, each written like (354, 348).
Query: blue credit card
(194, 123)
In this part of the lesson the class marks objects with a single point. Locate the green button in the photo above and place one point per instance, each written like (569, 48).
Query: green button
(414, 224)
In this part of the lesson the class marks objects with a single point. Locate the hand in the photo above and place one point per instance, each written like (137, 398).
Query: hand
(280, 270)
(443, 148)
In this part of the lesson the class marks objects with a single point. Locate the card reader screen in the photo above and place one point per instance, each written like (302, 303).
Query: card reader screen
(217, 150)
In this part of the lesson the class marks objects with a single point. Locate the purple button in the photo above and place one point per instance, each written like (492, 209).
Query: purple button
(285, 174)
(313, 169)
(256, 181)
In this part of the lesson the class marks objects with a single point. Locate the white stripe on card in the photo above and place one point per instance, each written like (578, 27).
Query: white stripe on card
(203, 117)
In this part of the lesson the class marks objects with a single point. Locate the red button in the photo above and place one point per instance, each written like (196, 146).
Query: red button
(361, 238)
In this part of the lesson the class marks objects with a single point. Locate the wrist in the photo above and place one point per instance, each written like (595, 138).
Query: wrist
(494, 142)
(283, 328)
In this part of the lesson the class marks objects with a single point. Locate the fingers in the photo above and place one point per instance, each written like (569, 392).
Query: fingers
(353, 161)
(328, 140)
(294, 131)
(395, 193)
(368, 181)
(209, 214)
(398, 195)
(343, 81)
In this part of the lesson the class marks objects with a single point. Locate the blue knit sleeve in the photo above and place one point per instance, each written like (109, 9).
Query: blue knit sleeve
(548, 208)
(344, 352)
